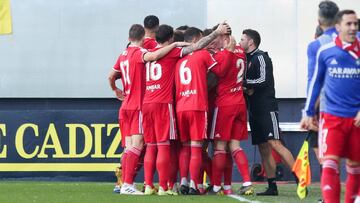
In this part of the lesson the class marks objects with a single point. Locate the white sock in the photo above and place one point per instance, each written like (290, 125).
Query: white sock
(192, 184)
(216, 188)
(227, 187)
(184, 181)
(357, 200)
(245, 184)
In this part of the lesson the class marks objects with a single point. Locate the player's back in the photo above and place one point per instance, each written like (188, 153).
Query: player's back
(230, 77)
(149, 43)
(190, 81)
(132, 68)
(160, 78)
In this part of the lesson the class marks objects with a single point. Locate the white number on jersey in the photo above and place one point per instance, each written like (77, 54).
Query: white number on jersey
(240, 63)
(124, 65)
(153, 71)
(185, 73)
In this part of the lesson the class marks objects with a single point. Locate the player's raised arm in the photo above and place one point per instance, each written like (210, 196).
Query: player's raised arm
(223, 28)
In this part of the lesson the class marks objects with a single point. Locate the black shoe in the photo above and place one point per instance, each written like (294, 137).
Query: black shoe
(193, 191)
(184, 190)
(209, 188)
(321, 201)
(268, 192)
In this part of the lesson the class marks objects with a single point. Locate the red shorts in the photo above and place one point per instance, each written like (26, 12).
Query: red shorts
(339, 136)
(158, 122)
(192, 125)
(130, 122)
(229, 123)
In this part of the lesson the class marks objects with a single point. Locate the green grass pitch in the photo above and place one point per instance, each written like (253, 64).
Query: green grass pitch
(31, 191)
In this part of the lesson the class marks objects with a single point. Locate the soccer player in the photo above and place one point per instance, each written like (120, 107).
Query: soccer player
(191, 109)
(263, 108)
(130, 66)
(337, 71)
(151, 25)
(159, 118)
(229, 124)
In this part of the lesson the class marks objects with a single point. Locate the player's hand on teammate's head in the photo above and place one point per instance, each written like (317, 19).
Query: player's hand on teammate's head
(223, 29)
(182, 44)
(357, 120)
(119, 94)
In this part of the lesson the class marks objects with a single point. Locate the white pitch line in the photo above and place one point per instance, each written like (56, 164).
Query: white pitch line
(242, 199)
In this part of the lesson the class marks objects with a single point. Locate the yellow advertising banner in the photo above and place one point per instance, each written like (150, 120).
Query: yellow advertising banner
(5, 17)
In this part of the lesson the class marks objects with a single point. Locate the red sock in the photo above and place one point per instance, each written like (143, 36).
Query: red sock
(207, 166)
(123, 164)
(184, 161)
(228, 169)
(150, 163)
(174, 163)
(132, 160)
(140, 163)
(162, 164)
(218, 166)
(330, 181)
(242, 164)
(195, 164)
(352, 183)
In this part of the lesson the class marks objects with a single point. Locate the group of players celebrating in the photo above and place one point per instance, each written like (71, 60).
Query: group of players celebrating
(184, 89)
(166, 108)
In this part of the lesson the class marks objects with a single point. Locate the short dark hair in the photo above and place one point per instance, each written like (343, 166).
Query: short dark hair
(254, 35)
(207, 31)
(340, 14)
(216, 26)
(151, 22)
(327, 12)
(182, 28)
(136, 32)
(164, 33)
(191, 33)
(178, 36)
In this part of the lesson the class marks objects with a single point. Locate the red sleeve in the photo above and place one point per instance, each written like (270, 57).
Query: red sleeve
(139, 55)
(224, 59)
(117, 65)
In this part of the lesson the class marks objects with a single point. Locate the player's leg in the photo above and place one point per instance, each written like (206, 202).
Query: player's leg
(240, 132)
(151, 148)
(352, 180)
(260, 138)
(242, 163)
(332, 147)
(174, 164)
(271, 124)
(137, 143)
(228, 173)
(198, 120)
(218, 163)
(217, 133)
(353, 162)
(184, 154)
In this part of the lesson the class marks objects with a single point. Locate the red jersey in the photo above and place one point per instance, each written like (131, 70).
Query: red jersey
(230, 70)
(149, 43)
(132, 68)
(191, 83)
(160, 77)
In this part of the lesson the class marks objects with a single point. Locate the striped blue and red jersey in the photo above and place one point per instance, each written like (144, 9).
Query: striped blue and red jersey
(338, 72)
